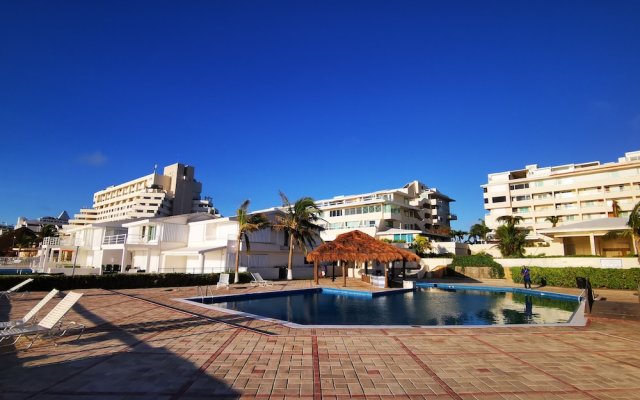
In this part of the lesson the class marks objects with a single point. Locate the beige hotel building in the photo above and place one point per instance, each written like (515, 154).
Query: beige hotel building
(394, 214)
(572, 192)
(174, 192)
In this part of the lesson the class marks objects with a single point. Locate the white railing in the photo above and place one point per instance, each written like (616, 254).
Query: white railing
(139, 239)
(115, 239)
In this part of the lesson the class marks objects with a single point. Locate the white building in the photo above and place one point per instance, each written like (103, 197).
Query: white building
(37, 224)
(188, 243)
(572, 192)
(407, 211)
(173, 192)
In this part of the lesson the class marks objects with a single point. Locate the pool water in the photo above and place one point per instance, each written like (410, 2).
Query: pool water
(420, 306)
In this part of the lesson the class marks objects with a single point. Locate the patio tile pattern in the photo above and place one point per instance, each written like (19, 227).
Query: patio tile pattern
(142, 344)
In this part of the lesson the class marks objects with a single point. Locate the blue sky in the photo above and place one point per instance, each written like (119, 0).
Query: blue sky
(314, 98)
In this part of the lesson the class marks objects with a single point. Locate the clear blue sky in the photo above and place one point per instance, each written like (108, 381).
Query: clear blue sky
(316, 98)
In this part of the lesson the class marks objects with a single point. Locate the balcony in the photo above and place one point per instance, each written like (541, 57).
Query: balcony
(452, 217)
(140, 239)
(114, 239)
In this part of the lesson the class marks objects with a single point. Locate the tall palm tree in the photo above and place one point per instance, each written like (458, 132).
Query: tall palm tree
(634, 224)
(247, 223)
(300, 223)
(553, 219)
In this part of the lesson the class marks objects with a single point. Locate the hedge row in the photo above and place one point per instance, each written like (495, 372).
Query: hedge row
(479, 260)
(609, 278)
(114, 281)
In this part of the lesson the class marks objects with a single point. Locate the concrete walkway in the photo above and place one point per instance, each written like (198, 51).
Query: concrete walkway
(141, 344)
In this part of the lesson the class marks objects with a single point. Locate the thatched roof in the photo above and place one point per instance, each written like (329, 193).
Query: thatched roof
(358, 246)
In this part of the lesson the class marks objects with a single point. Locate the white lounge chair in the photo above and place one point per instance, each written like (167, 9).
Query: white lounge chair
(50, 327)
(223, 281)
(31, 315)
(258, 281)
(7, 293)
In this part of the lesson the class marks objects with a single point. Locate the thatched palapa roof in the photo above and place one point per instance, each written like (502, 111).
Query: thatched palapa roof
(358, 246)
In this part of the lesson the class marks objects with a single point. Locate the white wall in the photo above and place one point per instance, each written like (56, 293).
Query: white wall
(557, 262)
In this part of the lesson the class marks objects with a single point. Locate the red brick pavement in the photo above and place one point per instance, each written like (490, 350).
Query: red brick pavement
(141, 344)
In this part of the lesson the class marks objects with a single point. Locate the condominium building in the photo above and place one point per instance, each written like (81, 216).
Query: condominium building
(174, 192)
(407, 211)
(572, 192)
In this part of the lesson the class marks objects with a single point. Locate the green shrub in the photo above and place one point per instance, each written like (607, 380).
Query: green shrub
(479, 260)
(114, 281)
(566, 277)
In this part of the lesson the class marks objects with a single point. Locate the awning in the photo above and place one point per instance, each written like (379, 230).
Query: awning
(596, 226)
(192, 251)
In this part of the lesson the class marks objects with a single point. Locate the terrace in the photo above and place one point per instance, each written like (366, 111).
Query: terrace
(171, 350)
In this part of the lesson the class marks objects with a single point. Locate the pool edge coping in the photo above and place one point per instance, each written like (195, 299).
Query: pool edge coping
(577, 319)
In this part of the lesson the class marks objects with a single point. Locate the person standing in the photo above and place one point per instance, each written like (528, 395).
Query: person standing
(526, 276)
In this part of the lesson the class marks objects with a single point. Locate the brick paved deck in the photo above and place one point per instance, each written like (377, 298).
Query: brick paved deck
(143, 345)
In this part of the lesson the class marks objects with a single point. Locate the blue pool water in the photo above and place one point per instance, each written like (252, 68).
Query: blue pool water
(420, 306)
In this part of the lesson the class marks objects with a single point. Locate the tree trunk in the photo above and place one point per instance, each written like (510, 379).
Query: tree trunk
(236, 279)
(290, 270)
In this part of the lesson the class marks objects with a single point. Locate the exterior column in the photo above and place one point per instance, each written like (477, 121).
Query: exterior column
(592, 242)
(201, 259)
(124, 250)
(315, 272)
(149, 261)
(344, 274)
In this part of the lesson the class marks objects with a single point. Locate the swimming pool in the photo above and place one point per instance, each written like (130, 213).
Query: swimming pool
(426, 305)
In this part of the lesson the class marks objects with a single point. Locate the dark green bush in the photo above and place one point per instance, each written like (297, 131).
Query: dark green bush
(566, 277)
(479, 260)
(113, 281)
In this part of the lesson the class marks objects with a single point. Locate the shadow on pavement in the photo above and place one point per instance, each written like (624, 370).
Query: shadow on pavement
(112, 361)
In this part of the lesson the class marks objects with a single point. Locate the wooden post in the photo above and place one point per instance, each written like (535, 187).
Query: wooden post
(386, 276)
(344, 274)
(404, 269)
(315, 271)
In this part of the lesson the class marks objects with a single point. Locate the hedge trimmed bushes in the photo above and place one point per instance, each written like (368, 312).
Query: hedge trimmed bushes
(478, 260)
(609, 278)
(114, 281)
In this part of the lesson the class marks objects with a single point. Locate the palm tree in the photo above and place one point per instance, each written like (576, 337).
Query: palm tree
(479, 231)
(247, 223)
(299, 222)
(510, 220)
(457, 235)
(634, 224)
(47, 231)
(511, 239)
(553, 219)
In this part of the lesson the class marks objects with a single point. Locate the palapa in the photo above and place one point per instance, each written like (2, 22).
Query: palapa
(357, 246)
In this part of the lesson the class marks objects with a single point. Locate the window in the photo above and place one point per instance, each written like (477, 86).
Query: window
(519, 186)
(499, 199)
(335, 213)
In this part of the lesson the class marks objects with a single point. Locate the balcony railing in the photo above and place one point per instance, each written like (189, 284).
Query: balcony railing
(140, 239)
(115, 239)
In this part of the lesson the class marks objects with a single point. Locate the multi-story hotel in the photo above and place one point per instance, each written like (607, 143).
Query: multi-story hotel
(572, 192)
(174, 192)
(401, 213)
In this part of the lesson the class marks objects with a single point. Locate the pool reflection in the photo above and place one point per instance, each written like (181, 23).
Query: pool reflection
(424, 306)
